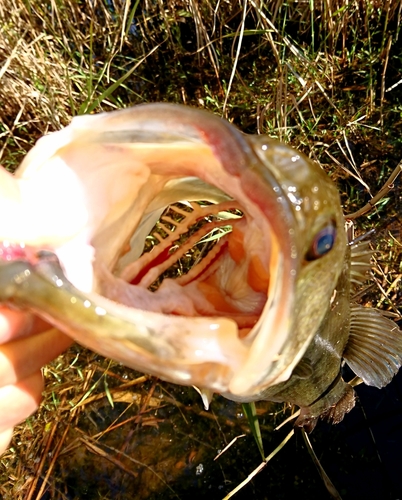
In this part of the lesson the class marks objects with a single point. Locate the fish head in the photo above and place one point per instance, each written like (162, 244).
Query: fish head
(241, 319)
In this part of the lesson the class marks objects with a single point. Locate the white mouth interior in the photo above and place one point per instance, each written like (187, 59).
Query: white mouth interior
(205, 260)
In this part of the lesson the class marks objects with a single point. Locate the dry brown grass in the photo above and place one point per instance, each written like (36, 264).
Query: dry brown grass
(324, 79)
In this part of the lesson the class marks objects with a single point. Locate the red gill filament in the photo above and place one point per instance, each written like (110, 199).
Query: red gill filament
(191, 244)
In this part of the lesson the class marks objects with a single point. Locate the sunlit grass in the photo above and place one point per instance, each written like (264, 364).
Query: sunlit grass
(323, 76)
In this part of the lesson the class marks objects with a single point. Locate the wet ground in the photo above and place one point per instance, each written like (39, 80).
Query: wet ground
(159, 443)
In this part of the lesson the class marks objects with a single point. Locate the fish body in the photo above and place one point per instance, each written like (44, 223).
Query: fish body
(266, 314)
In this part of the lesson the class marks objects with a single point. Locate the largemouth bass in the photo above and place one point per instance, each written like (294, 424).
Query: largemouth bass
(265, 314)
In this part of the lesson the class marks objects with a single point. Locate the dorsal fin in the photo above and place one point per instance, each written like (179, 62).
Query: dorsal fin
(374, 348)
(360, 262)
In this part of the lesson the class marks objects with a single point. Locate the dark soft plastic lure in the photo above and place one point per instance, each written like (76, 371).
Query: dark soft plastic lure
(263, 313)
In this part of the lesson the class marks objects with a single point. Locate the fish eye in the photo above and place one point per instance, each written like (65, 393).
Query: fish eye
(323, 241)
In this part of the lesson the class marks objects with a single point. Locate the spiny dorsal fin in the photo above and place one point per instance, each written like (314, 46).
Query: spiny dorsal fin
(374, 348)
(360, 263)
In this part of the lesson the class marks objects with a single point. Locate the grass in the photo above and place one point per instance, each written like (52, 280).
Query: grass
(323, 76)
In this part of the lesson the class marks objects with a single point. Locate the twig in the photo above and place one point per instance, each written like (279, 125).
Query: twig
(389, 184)
(229, 445)
(260, 467)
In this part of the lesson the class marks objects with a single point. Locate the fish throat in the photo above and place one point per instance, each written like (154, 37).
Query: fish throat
(201, 248)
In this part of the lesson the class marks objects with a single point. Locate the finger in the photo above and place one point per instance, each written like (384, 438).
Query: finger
(14, 323)
(5, 438)
(21, 358)
(39, 325)
(19, 401)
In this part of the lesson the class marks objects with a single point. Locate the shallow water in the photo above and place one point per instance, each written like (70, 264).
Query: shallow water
(168, 452)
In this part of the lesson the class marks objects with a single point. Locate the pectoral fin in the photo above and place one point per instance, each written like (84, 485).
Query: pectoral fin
(374, 348)
(303, 369)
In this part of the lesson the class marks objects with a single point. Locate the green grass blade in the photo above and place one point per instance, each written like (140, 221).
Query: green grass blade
(106, 93)
(251, 413)
(131, 17)
(108, 394)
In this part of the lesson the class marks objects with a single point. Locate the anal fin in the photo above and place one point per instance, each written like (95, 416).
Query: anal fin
(374, 348)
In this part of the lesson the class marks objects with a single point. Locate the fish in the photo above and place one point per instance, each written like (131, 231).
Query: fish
(265, 313)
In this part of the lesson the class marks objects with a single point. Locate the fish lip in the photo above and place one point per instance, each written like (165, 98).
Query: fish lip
(89, 318)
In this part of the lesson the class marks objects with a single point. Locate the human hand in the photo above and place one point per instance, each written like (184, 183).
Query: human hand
(26, 344)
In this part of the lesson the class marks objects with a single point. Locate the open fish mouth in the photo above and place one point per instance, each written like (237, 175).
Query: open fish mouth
(89, 200)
